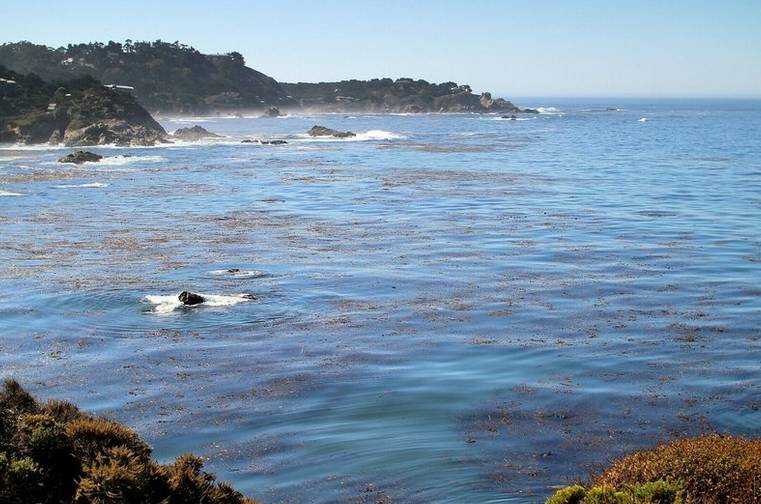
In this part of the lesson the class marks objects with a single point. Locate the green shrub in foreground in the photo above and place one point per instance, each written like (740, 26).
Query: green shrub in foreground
(656, 492)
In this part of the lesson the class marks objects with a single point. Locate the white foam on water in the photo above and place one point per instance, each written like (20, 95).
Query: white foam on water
(92, 185)
(123, 160)
(549, 110)
(642, 119)
(32, 147)
(238, 274)
(360, 137)
(168, 304)
(185, 120)
(9, 193)
(378, 135)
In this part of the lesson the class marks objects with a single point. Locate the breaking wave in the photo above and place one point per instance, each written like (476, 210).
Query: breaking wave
(361, 137)
(123, 160)
(9, 193)
(92, 185)
(238, 273)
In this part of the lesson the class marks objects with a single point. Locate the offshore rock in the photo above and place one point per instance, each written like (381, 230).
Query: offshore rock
(194, 134)
(273, 112)
(80, 157)
(320, 131)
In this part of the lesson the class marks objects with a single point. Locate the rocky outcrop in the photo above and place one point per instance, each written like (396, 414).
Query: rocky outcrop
(77, 113)
(322, 131)
(80, 157)
(113, 131)
(273, 112)
(194, 134)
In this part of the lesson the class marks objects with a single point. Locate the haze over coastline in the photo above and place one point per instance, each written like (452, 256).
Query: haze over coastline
(514, 49)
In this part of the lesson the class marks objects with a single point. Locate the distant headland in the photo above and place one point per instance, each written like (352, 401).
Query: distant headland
(174, 78)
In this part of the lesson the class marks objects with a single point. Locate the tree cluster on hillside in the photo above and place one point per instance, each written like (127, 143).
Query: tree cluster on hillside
(169, 77)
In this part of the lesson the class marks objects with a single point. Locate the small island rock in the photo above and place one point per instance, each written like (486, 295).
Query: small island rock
(273, 112)
(80, 157)
(193, 134)
(318, 131)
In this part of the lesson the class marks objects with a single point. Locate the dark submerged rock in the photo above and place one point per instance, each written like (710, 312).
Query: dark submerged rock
(263, 142)
(318, 131)
(190, 298)
(193, 134)
(80, 157)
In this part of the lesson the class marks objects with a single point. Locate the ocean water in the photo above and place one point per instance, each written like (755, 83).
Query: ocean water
(447, 308)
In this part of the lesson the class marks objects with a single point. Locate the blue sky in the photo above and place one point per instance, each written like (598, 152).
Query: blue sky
(514, 48)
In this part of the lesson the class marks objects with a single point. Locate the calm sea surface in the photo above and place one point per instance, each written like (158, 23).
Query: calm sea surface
(449, 308)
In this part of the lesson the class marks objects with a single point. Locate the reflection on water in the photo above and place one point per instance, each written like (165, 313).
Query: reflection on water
(458, 309)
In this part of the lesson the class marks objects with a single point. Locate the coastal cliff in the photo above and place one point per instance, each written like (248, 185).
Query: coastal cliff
(75, 113)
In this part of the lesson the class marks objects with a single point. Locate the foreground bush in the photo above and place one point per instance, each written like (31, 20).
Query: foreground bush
(711, 469)
(656, 492)
(53, 453)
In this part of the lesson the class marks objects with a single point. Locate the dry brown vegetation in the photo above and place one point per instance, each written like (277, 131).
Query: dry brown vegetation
(712, 469)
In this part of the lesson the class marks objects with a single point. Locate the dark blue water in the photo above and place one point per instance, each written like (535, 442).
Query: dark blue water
(451, 308)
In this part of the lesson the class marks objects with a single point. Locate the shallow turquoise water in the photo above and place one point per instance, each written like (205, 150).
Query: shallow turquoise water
(454, 308)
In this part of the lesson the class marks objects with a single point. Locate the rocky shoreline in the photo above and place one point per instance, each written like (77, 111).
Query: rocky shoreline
(67, 104)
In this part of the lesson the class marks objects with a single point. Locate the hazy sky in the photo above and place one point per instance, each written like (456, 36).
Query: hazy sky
(514, 48)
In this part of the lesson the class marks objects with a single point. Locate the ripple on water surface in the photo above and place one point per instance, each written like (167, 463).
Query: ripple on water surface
(456, 309)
